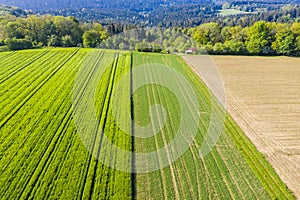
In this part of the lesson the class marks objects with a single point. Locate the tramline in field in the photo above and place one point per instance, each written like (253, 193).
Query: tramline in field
(43, 155)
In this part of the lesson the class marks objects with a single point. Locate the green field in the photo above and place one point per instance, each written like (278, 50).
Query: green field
(42, 155)
(229, 12)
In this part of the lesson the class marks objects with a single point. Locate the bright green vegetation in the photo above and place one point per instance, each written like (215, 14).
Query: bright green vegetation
(227, 12)
(257, 38)
(47, 30)
(42, 156)
(261, 38)
(233, 170)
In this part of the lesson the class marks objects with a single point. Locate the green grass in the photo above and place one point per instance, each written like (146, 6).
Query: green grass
(226, 173)
(228, 12)
(3, 48)
(42, 155)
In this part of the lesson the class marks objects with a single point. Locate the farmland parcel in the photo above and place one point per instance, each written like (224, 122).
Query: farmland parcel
(42, 154)
(263, 96)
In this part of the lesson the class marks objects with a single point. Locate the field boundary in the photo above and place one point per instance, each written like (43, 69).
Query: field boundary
(262, 169)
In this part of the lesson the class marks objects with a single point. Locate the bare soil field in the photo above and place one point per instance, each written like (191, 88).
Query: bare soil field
(263, 96)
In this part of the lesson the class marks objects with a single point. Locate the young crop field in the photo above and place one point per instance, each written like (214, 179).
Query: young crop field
(46, 98)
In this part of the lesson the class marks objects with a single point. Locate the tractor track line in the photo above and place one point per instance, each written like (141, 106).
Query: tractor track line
(64, 124)
(7, 56)
(81, 193)
(171, 167)
(81, 94)
(133, 161)
(26, 65)
(34, 74)
(60, 139)
(161, 172)
(59, 108)
(85, 85)
(108, 97)
(18, 107)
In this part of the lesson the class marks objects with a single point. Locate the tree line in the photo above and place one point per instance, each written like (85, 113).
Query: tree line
(47, 30)
(261, 38)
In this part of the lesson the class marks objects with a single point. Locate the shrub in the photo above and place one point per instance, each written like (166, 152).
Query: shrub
(18, 44)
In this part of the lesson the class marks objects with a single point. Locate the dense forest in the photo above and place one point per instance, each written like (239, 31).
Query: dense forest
(261, 38)
(12, 10)
(192, 16)
(189, 15)
(252, 27)
(175, 13)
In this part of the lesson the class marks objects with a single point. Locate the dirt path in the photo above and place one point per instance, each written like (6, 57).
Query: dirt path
(263, 96)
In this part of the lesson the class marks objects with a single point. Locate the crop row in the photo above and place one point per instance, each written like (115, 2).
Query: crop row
(191, 176)
(21, 89)
(100, 180)
(265, 176)
(46, 94)
(41, 153)
(14, 63)
(39, 132)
